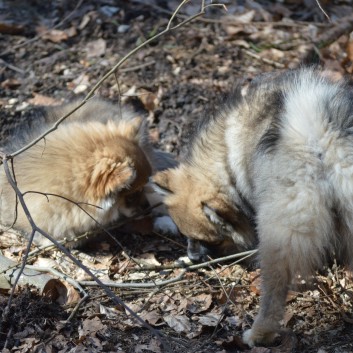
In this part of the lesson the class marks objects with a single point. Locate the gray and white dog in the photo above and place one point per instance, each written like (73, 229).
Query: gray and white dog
(276, 163)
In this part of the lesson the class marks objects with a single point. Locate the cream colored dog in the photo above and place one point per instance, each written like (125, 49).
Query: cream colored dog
(99, 158)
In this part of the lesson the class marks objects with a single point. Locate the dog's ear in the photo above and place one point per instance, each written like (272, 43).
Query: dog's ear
(131, 129)
(230, 220)
(219, 211)
(211, 214)
(109, 175)
(161, 182)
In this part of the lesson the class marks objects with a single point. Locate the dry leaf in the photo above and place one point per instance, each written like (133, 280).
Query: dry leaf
(149, 100)
(154, 346)
(90, 327)
(110, 313)
(73, 296)
(246, 17)
(180, 323)
(199, 303)
(96, 48)
(272, 54)
(4, 284)
(148, 259)
(80, 84)
(39, 99)
(84, 22)
(152, 317)
(210, 319)
(53, 35)
(9, 239)
(45, 262)
(10, 83)
(10, 28)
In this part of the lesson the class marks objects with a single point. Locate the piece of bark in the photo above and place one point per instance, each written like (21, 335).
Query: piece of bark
(47, 285)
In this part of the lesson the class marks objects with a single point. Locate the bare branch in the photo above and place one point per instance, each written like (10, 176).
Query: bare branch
(323, 11)
(177, 10)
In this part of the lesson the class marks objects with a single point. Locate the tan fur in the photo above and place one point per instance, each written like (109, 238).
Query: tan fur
(280, 154)
(103, 159)
(190, 190)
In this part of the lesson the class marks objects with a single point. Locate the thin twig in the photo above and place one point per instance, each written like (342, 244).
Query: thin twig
(74, 311)
(251, 253)
(77, 203)
(344, 26)
(169, 239)
(178, 9)
(12, 67)
(243, 255)
(137, 67)
(323, 11)
(137, 285)
(178, 278)
(265, 60)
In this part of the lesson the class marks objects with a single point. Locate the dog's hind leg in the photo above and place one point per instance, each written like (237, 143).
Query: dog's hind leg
(295, 229)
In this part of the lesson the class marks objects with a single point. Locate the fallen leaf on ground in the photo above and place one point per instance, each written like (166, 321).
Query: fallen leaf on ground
(210, 319)
(10, 83)
(53, 35)
(154, 346)
(152, 317)
(90, 327)
(96, 48)
(149, 99)
(39, 99)
(148, 259)
(199, 303)
(80, 84)
(179, 323)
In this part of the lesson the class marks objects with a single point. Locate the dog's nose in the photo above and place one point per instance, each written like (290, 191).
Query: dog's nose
(196, 251)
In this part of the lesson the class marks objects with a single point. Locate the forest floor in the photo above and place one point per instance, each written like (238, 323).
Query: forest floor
(54, 51)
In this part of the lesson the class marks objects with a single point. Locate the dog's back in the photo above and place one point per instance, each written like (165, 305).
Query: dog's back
(100, 157)
(300, 182)
(301, 174)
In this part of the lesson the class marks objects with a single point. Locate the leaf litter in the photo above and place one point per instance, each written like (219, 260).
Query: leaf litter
(175, 80)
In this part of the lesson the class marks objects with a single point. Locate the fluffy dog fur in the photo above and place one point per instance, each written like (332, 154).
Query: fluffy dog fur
(100, 158)
(280, 154)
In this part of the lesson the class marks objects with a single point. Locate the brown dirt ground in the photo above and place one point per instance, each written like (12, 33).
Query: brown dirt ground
(177, 79)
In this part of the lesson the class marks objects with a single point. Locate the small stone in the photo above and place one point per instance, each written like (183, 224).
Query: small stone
(123, 28)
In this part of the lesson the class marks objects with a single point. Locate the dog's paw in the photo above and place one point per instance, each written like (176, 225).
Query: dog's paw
(165, 224)
(255, 337)
(248, 338)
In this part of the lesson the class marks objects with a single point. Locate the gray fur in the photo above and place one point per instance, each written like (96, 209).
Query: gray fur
(281, 152)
